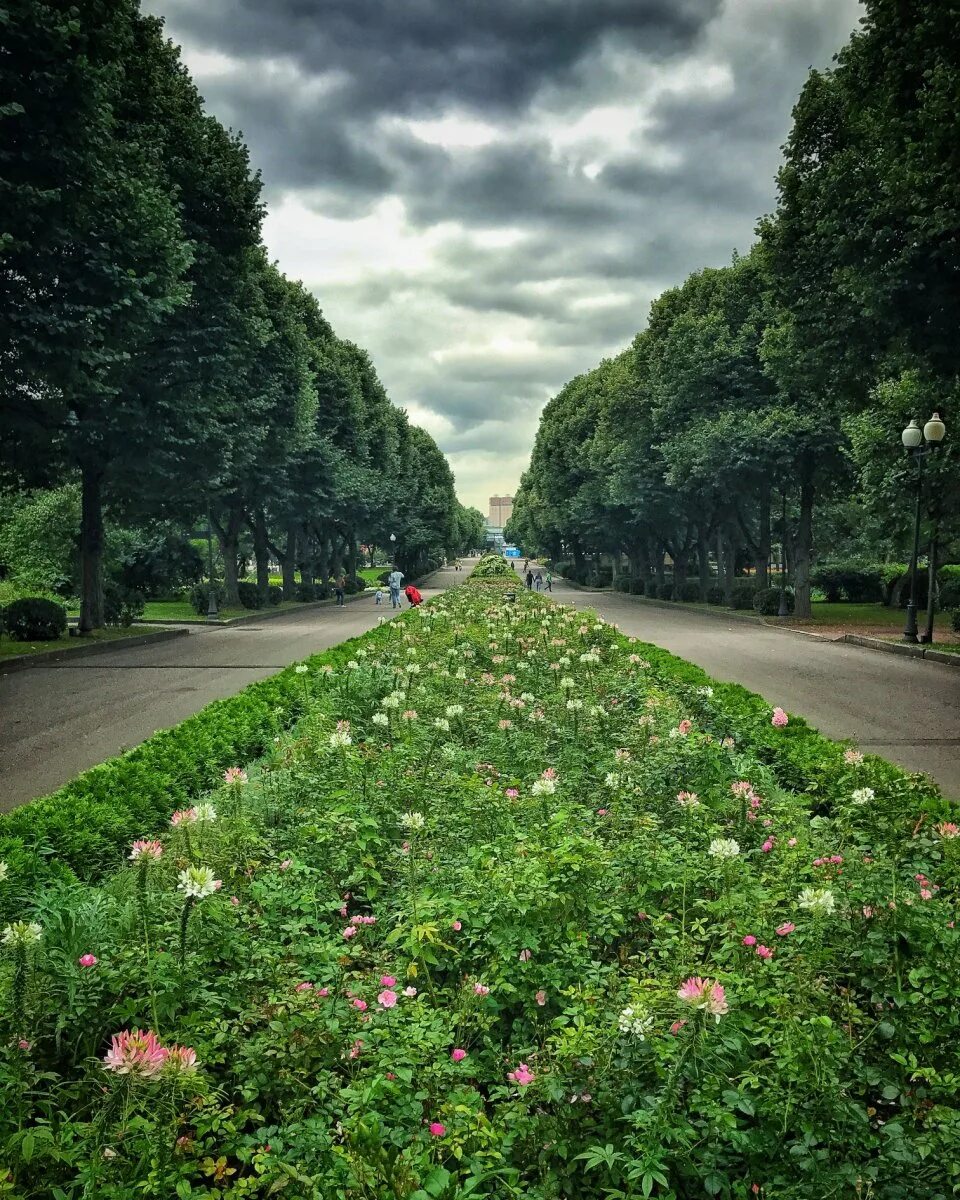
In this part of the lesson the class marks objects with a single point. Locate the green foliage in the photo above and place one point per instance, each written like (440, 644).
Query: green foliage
(766, 601)
(199, 597)
(493, 566)
(122, 605)
(858, 583)
(955, 620)
(396, 889)
(34, 620)
(38, 539)
(249, 594)
(742, 594)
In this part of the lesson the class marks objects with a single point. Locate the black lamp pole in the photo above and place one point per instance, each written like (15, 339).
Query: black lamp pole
(918, 443)
(782, 611)
(212, 611)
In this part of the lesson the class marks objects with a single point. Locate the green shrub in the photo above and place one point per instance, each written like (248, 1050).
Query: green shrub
(249, 594)
(121, 605)
(715, 595)
(742, 594)
(950, 594)
(623, 583)
(637, 587)
(156, 565)
(955, 620)
(306, 592)
(493, 566)
(35, 620)
(690, 592)
(854, 582)
(274, 595)
(767, 601)
(199, 596)
(653, 589)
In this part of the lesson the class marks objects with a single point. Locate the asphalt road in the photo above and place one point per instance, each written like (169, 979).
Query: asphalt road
(904, 709)
(60, 719)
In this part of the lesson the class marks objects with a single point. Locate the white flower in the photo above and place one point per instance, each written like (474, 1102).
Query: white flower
(198, 882)
(704, 691)
(353, 665)
(544, 787)
(454, 710)
(819, 901)
(443, 724)
(724, 848)
(597, 710)
(460, 673)
(527, 697)
(361, 653)
(567, 684)
(862, 795)
(380, 719)
(391, 701)
(340, 739)
(590, 658)
(4, 871)
(22, 933)
(575, 705)
(412, 820)
(204, 812)
(301, 669)
(565, 661)
(635, 1022)
(412, 668)
(611, 780)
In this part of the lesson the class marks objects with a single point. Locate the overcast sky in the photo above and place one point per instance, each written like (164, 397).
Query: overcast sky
(487, 194)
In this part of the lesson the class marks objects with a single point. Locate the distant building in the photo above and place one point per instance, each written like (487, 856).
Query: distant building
(501, 510)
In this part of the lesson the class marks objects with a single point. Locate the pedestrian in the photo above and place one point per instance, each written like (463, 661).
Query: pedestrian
(378, 597)
(394, 580)
(413, 596)
(526, 564)
(538, 581)
(549, 581)
(529, 580)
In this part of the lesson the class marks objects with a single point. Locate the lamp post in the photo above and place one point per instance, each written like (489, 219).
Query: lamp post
(212, 611)
(782, 611)
(918, 443)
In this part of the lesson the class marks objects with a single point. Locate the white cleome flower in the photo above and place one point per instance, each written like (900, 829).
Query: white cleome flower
(22, 933)
(198, 882)
(454, 710)
(704, 691)
(4, 871)
(412, 821)
(567, 684)
(575, 705)
(301, 669)
(635, 1022)
(380, 719)
(442, 724)
(339, 739)
(390, 701)
(819, 901)
(862, 795)
(724, 848)
(544, 787)
(204, 812)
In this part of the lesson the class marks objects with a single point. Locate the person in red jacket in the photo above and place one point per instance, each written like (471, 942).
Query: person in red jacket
(413, 596)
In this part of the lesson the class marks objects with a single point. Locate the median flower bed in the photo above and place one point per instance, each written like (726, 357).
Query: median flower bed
(518, 908)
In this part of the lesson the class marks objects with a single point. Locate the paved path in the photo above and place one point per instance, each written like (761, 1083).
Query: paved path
(57, 720)
(904, 709)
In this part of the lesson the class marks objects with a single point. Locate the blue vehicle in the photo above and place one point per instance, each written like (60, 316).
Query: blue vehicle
(511, 552)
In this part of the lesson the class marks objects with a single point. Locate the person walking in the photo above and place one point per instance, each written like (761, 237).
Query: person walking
(378, 597)
(340, 588)
(538, 581)
(394, 580)
(414, 599)
(529, 580)
(549, 581)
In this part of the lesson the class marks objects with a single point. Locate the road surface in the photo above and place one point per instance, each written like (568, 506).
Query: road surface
(58, 720)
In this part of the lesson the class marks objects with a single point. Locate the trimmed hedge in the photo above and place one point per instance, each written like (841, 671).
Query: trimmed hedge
(34, 619)
(83, 830)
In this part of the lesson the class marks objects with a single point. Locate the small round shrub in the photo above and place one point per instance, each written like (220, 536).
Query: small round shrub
(122, 605)
(199, 596)
(767, 601)
(950, 594)
(715, 595)
(637, 587)
(653, 590)
(275, 594)
(249, 595)
(34, 619)
(689, 593)
(742, 594)
(623, 583)
(955, 620)
(306, 592)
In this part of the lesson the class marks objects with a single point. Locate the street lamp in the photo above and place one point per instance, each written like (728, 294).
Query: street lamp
(782, 611)
(918, 443)
(212, 612)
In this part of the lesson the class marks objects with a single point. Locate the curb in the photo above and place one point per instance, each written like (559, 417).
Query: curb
(21, 662)
(904, 648)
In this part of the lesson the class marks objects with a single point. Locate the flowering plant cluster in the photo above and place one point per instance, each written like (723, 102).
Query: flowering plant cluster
(519, 908)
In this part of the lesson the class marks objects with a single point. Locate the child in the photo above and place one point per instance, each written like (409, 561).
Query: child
(414, 599)
(378, 597)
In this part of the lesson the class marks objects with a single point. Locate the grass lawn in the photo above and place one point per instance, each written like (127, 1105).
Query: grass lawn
(11, 649)
(874, 617)
(181, 610)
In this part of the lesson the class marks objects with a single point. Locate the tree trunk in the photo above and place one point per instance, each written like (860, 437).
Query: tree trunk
(680, 564)
(261, 552)
(351, 556)
(336, 556)
(703, 564)
(660, 572)
(803, 549)
(288, 562)
(729, 565)
(91, 549)
(762, 560)
(228, 536)
(323, 567)
(932, 595)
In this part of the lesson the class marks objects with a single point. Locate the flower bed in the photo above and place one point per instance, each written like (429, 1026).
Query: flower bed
(519, 908)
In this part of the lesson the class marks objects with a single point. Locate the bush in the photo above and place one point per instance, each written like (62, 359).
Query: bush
(306, 592)
(156, 565)
(767, 601)
(600, 576)
(653, 590)
(355, 585)
(955, 620)
(493, 566)
(275, 594)
(854, 582)
(249, 595)
(715, 595)
(199, 597)
(689, 592)
(637, 587)
(623, 583)
(742, 594)
(35, 620)
(121, 605)
(950, 594)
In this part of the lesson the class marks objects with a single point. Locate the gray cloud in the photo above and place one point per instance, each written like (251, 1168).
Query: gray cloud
(622, 144)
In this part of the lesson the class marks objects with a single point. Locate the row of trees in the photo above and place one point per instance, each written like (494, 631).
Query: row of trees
(150, 349)
(766, 398)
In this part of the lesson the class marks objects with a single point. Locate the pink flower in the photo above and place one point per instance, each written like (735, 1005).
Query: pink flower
(948, 830)
(741, 788)
(458, 1055)
(304, 987)
(767, 845)
(602, 812)
(676, 1027)
(511, 793)
(685, 726)
(456, 926)
(791, 841)
(437, 1129)
(387, 981)
(88, 960)
(181, 1058)
(409, 714)
(764, 952)
(505, 724)
(234, 775)
(135, 1052)
(688, 799)
(356, 1048)
(779, 718)
(409, 991)
(361, 1005)
(522, 1075)
(184, 816)
(541, 998)
(234, 900)
(481, 989)
(387, 999)
(524, 955)
(853, 757)
(145, 849)
(350, 931)
(704, 994)
(322, 991)
(749, 940)
(867, 911)
(549, 773)
(785, 928)
(23, 1044)
(286, 864)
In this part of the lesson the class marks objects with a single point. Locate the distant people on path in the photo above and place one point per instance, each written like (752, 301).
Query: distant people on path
(529, 579)
(394, 580)
(456, 564)
(378, 597)
(414, 599)
(538, 581)
(549, 581)
(340, 587)
(526, 564)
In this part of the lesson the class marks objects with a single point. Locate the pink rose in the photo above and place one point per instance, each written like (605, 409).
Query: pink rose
(458, 1055)
(88, 960)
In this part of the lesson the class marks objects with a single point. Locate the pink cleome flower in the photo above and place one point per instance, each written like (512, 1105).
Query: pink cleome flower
(684, 727)
(304, 987)
(350, 931)
(948, 830)
(522, 1075)
(181, 1058)
(853, 757)
(88, 960)
(456, 926)
(779, 718)
(785, 928)
(135, 1052)
(234, 775)
(541, 998)
(144, 848)
(702, 993)
(458, 1055)
(511, 793)
(524, 955)
(410, 991)
(481, 989)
